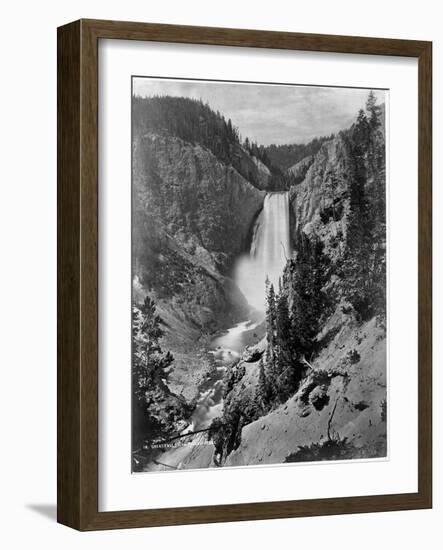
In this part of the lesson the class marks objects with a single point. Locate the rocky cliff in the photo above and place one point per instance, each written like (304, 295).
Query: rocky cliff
(320, 203)
(192, 216)
(299, 169)
(203, 204)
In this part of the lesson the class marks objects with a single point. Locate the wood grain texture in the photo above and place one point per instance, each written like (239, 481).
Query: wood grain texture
(68, 275)
(78, 272)
(425, 274)
(254, 38)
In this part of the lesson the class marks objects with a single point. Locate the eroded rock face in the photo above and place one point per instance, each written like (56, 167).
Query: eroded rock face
(320, 204)
(204, 205)
(252, 166)
(300, 169)
(192, 216)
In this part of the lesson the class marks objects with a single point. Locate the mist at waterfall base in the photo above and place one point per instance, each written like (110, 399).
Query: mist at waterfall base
(270, 249)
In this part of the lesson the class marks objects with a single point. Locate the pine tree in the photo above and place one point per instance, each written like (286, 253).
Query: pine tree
(262, 393)
(364, 268)
(377, 191)
(293, 318)
(285, 364)
(155, 409)
(270, 356)
(373, 110)
(150, 364)
(306, 276)
(270, 314)
(360, 134)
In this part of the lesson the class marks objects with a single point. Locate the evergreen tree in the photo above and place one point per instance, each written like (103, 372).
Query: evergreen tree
(364, 260)
(270, 356)
(377, 198)
(373, 110)
(150, 364)
(305, 277)
(262, 392)
(270, 314)
(358, 230)
(286, 366)
(155, 409)
(293, 318)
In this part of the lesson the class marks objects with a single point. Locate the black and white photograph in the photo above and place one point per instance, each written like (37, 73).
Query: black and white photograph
(259, 265)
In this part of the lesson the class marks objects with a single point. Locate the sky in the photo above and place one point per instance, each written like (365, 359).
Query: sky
(268, 113)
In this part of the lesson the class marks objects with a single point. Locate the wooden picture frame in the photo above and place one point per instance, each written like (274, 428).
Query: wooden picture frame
(78, 274)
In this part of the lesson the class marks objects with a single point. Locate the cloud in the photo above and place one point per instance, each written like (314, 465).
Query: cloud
(270, 113)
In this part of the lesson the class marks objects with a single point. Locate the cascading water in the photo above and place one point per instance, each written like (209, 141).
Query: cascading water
(269, 250)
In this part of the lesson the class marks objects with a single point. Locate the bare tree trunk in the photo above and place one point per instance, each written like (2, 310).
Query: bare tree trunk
(330, 419)
(305, 362)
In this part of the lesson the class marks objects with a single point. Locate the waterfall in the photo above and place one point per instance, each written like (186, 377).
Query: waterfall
(270, 249)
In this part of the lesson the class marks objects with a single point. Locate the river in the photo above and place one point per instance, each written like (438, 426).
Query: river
(195, 451)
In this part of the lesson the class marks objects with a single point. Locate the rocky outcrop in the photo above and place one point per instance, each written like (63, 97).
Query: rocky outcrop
(253, 353)
(184, 191)
(320, 204)
(342, 401)
(263, 173)
(252, 168)
(299, 169)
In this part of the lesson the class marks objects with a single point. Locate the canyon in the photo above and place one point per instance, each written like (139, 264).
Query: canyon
(209, 237)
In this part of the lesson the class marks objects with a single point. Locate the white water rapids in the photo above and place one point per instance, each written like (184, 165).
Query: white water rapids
(269, 250)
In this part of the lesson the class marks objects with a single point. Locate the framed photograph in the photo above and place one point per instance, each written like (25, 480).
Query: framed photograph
(244, 275)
